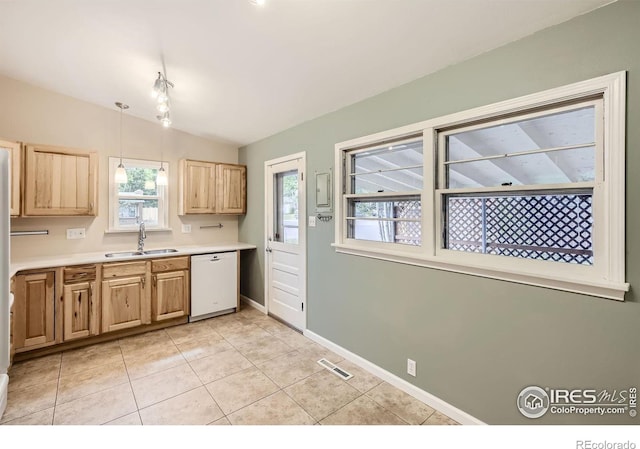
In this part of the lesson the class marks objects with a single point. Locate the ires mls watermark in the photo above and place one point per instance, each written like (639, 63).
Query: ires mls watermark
(588, 444)
(534, 402)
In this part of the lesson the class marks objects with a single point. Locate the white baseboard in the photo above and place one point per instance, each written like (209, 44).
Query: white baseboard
(429, 399)
(251, 303)
(4, 388)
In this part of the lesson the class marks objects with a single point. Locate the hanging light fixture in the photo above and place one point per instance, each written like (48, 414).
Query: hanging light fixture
(161, 93)
(121, 173)
(162, 179)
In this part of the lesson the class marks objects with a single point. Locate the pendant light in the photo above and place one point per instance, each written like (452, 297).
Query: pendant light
(161, 178)
(121, 173)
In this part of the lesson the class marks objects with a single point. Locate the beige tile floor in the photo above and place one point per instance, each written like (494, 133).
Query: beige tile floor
(241, 368)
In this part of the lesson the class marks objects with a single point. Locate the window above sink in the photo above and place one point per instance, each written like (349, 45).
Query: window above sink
(140, 199)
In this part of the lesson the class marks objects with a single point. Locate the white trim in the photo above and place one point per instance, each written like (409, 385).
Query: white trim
(251, 303)
(606, 278)
(433, 401)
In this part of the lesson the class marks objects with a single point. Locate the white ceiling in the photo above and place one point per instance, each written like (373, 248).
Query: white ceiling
(244, 72)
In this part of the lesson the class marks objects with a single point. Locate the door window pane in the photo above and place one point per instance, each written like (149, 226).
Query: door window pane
(286, 204)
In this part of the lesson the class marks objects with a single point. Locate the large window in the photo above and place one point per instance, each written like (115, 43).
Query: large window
(523, 186)
(140, 199)
(529, 190)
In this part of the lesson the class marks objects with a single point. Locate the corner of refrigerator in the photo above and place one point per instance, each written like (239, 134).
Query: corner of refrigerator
(4, 278)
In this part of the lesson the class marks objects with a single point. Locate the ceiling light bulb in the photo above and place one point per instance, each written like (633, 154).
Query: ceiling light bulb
(157, 86)
(165, 119)
(162, 180)
(162, 107)
(149, 184)
(259, 2)
(162, 97)
(121, 174)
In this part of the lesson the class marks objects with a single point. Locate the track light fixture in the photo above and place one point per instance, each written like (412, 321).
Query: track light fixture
(161, 93)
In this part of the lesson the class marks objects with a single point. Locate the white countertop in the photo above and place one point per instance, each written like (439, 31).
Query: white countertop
(35, 263)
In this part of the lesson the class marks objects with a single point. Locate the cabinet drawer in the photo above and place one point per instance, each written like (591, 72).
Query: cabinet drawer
(112, 270)
(170, 264)
(79, 273)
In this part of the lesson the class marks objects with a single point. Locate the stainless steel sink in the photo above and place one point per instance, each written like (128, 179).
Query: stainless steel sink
(160, 251)
(125, 254)
(141, 253)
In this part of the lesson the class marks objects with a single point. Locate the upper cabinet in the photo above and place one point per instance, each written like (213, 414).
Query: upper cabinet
(212, 188)
(59, 181)
(197, 187)
(14, 156)
(231, 189)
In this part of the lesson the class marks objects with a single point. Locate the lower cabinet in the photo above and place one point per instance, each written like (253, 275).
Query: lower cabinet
(80, 311)
(170, 294)
(34, 311)
(74, 303)
(126, 296)
(81, 302)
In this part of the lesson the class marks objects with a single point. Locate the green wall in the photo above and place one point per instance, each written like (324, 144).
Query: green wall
(477, 342)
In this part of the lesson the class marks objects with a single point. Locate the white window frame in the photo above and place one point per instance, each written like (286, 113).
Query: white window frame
(606, 278)
(373, 196)
(162, 197)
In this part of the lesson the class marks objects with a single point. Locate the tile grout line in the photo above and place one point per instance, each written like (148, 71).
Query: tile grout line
(133, 393)
(55, 401)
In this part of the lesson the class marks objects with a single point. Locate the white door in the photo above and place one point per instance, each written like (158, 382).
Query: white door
(285, 244)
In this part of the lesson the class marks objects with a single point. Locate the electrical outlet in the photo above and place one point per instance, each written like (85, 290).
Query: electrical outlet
(76, 233)
(186, 228)
(411, 367)
(312, 221)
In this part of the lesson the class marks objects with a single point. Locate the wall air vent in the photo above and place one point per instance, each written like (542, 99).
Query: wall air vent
(334, 369)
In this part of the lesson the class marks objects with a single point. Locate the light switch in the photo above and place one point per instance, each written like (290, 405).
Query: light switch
(312, 221)
(76, 233)
(186, 228)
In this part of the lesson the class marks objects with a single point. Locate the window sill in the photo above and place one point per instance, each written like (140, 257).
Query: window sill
(599, 289)
(136, 230)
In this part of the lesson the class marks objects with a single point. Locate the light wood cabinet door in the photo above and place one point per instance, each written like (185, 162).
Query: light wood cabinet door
(125, 303)
(34, 311)
(231, 189)
(170, 297)
(197, 183)
(15, 154)
(80, 310)
(59, 181)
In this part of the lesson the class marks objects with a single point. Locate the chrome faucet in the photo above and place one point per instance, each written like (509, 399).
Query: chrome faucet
(141, 236)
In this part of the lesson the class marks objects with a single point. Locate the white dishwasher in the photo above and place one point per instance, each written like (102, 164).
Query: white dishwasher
(214, 284)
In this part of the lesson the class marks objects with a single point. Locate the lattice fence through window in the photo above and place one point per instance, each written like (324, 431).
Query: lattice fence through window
(546, 227)
(408, 232)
